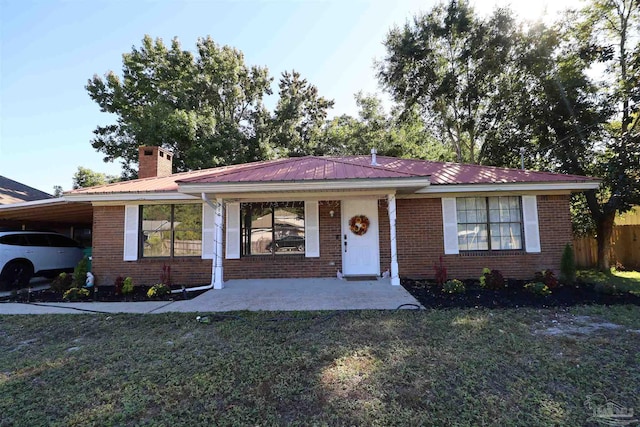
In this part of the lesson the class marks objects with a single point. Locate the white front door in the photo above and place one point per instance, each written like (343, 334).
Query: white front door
(360, 241)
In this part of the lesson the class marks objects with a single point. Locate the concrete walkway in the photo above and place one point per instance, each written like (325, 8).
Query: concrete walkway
(253, 295)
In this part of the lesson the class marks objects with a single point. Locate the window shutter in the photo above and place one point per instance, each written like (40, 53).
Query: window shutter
(530, 219)
(208, 231)
(233, 231)
(131, 220)
(311, 229)
(450, 225)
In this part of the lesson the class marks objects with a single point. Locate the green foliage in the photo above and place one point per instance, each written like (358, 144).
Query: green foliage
(483, 277)
(492, 279)
(546, 277)
(568, 265)
(62, 282)
(80, 273)
(85, 177)
(299, 117)
(205, 107)
(538, 288)
(74, 294)
(158, 290)
(454, 286)
(450, 64)
(127, 286)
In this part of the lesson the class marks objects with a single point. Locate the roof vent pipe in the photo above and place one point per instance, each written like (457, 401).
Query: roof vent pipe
(373, 157)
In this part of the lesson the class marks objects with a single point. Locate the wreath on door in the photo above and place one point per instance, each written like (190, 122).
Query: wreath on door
(359, 224)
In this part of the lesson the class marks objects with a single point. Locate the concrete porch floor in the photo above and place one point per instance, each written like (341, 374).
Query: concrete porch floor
(298, 294)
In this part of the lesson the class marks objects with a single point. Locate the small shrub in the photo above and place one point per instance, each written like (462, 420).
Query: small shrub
(547, 277)
(483, 279)
(441, 273)
(568, 265)
(492, 279)
(74, 294)
(606, 288)
(80, 273)
(158, 290)
(538, 288)
(61, 283)
(127, 286)
(454, 286)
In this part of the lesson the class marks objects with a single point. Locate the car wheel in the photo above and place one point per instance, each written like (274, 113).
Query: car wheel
(16, 274)
(300, 248)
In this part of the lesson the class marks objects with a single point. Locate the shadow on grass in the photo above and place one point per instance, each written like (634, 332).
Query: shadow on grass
(435, 367)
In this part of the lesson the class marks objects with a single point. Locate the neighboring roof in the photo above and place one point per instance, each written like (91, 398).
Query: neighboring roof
(315, 168)
(14, 192)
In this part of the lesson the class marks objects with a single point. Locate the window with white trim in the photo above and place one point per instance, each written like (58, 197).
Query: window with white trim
(489, 223)
(170, 230)
(272, 228)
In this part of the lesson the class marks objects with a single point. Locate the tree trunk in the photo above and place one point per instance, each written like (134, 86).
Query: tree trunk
(603, 238)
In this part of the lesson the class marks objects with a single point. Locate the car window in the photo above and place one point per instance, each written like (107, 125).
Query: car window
(37, 239)
(13, 239)
(62, 241)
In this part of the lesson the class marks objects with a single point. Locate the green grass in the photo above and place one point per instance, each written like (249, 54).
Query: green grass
(448, 367)
(625, 281)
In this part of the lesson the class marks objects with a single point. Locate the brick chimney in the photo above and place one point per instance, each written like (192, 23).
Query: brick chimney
(154, 161)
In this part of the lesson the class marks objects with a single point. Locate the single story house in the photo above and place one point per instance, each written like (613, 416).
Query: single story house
(322, 216)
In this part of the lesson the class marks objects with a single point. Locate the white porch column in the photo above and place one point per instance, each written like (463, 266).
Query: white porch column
(391, 208)
(217, 258)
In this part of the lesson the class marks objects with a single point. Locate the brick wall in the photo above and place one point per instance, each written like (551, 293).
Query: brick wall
(294, 265)
(107, 263)
(154, 161)
(420, 242)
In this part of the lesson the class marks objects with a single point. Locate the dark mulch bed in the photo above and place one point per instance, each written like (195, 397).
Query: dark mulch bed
(103, 294)
(431, 295)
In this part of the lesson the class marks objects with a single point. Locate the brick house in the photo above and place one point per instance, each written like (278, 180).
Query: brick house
(322, 216)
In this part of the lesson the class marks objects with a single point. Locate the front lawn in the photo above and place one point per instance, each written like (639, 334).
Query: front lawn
(625, 281)
(438, 367)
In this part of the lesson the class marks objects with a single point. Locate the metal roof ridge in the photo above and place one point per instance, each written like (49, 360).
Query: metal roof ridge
(339, 159)
(258, 165)
(494, 167)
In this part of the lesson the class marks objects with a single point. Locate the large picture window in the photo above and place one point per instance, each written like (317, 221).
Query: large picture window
(171, 230)
(489, 223)
(275, 228)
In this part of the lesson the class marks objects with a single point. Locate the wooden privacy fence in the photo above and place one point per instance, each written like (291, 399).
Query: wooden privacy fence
(625, 248)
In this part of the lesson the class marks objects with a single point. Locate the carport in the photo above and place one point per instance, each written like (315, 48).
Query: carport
(73, 219)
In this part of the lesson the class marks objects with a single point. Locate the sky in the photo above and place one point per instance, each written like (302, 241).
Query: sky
(50, 49)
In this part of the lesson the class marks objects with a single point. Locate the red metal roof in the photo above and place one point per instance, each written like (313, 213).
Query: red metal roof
(314, 168)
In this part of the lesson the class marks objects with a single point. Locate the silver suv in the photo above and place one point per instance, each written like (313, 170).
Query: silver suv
(25, 254)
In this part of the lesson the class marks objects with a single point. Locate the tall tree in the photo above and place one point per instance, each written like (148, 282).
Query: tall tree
(573, 120)
(204, 108)
(401, 133)
(85, 177)
(450, 63)
(299, 116)
(611, 29)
